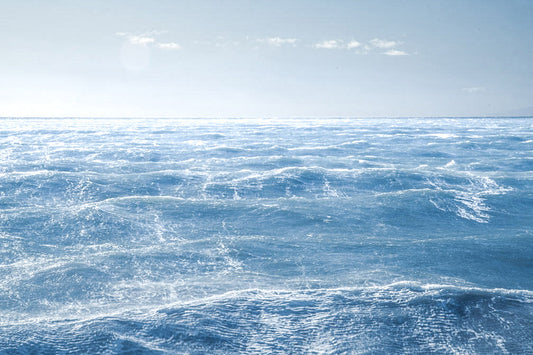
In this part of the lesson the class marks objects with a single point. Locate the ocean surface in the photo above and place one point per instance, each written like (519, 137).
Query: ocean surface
(362, 236)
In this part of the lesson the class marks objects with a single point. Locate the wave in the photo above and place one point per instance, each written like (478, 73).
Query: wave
(404, 317)
(468, 198)
(249, 236)
(463, 195)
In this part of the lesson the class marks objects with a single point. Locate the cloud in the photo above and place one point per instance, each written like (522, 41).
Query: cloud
(395, 52)
(147, 39)
(383, 44)
(169, 45)
(331, 44)
(473, 89)
(278, 41)
(376, 45)
(353, 44)
(337, 44)
(141, 40)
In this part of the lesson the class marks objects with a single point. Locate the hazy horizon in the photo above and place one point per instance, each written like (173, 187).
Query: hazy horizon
(266, 59)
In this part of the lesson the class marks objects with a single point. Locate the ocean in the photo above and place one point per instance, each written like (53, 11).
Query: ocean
(224, 236)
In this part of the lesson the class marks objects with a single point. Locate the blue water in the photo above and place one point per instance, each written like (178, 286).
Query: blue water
(366, 236)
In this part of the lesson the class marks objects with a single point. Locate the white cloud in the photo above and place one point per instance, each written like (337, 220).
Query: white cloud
(147, 39)
(278, 41)
(330, 44)
(395, 52)
(169, 45)
(353, 44)
(337, 44)
(141, 40)
(383, 44)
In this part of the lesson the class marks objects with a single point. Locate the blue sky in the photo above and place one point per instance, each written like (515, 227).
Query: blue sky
(265, 58)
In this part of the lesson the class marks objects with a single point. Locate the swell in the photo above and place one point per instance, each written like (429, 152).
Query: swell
(401, 317)
(130, 235)
(462, 194)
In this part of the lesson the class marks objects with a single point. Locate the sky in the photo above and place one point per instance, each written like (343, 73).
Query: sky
(265, 58)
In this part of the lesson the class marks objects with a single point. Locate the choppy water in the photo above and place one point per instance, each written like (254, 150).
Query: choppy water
(257, 236)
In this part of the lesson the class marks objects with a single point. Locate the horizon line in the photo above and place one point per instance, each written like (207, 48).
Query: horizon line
(259, 118)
